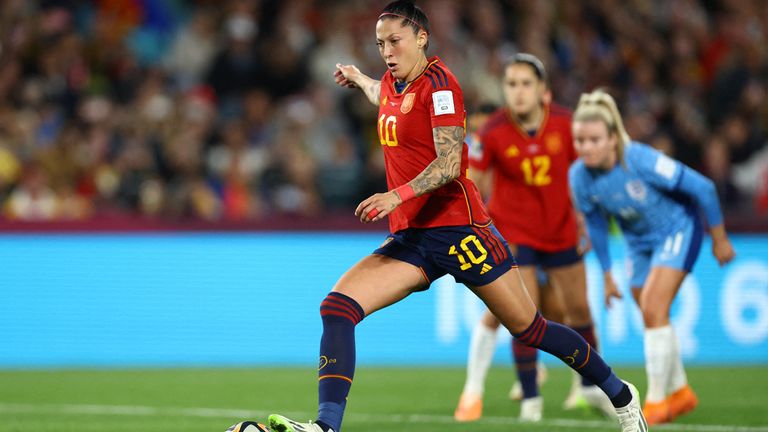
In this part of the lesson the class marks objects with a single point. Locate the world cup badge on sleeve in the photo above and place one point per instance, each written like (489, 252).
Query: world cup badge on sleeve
(405, 108)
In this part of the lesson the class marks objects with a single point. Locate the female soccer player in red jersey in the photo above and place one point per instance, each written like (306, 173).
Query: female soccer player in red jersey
(526, 149)
(438, 224)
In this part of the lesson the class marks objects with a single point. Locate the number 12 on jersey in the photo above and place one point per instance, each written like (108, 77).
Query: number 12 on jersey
(536, 170)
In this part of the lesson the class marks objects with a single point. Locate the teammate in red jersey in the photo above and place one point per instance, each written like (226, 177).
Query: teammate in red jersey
(526, 148)
(439, 226)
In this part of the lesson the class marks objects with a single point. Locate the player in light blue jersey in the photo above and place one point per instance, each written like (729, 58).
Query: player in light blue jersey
(657, 202)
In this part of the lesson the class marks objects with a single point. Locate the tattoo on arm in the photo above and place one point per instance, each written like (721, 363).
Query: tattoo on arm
(449, 144)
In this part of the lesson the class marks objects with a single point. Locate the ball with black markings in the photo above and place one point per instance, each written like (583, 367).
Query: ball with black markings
(248, 426)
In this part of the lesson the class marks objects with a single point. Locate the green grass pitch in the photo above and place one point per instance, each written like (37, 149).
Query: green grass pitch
(382, 399)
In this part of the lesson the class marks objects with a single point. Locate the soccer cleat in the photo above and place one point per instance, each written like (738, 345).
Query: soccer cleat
(657, 412)
(682, 401)
(531, 409)
(596, 398)
(470, 408)
(575, 400)
(631, 416)
(516, 392)
(280, 423)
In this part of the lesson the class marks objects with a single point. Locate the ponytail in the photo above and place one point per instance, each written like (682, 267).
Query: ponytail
(600, 105)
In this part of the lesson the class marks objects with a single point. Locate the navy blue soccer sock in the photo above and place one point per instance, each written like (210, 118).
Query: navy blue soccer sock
(340, 315)
(573, 350)
(525, 363)
(588, 333)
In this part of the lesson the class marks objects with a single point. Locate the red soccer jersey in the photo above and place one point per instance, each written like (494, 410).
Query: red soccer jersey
(405, 125)
(530, 202)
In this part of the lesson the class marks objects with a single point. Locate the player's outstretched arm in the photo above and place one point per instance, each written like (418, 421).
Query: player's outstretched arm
(702, 190)
(350, 76)
(585, 243)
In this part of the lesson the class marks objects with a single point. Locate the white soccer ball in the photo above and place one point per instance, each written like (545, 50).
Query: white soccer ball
(248, 426)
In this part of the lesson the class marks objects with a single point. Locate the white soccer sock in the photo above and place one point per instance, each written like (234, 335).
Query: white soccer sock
(677, 377)
(481, 349)
(658, 361)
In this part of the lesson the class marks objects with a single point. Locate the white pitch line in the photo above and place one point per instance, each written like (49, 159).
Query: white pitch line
(131, 410)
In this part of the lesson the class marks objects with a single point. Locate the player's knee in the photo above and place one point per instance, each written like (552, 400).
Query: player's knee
(655, 309)
(489, 320)
(654, 315)
(339, 307)
(530, 333)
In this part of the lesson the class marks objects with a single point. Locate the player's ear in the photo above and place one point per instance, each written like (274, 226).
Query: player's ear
(421, 39)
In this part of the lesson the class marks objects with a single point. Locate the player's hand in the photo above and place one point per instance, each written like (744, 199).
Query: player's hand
(377, 206)
(723, 251)
(346, 75)
(610, 290)
(584, 244)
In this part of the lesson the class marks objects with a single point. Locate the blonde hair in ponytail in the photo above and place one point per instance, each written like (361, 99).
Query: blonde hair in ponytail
(599, 105)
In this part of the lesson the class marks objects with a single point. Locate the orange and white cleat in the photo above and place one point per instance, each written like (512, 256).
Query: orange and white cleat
(657, 412)
(682, 401)
(470, 408)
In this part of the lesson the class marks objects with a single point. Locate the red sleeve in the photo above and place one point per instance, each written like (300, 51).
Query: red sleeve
(446, 105)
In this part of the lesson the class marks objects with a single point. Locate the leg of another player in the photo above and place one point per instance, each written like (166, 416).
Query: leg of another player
(373, 283)
(507, 298)
(551, 303)
(571, 281)
(527, 357)
(481, 348)
(636, 293)
(662, 357)
(552, 308)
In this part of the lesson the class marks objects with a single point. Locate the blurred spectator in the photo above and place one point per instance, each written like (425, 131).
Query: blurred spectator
(228, 111)
(33, 199)
(193, 48)
(717, 166)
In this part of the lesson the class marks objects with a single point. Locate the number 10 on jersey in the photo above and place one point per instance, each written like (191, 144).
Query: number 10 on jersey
(388, 130)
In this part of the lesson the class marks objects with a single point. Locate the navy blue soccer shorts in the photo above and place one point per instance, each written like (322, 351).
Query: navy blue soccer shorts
(473, 255)
(528, 256)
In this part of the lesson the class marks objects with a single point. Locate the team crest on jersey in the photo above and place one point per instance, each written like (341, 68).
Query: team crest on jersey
(407, 105)
(553, 143)
(636, 190)
(384, 101)
(512, 151)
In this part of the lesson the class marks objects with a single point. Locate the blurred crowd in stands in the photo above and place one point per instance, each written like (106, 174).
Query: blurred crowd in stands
(227, 110)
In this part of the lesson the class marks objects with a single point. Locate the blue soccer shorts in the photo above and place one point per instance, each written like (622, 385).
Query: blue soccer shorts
(473, 255)
(678, 250)
(528, 256)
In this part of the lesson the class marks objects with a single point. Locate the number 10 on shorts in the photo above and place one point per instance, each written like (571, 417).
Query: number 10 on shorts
(468, 253)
